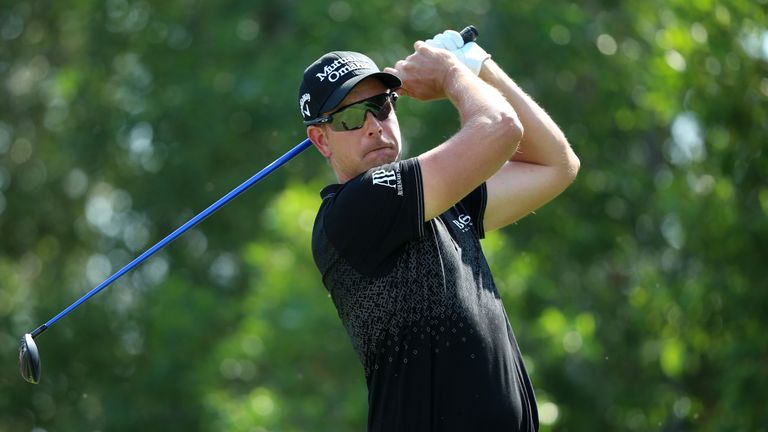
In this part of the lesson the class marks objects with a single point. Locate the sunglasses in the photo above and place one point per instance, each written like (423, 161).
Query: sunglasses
(352, 116)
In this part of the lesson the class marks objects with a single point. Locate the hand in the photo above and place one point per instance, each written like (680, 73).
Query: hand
(424, 73)
(470, 54)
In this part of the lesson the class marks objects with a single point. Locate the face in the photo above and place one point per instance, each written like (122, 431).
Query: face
(353, 152)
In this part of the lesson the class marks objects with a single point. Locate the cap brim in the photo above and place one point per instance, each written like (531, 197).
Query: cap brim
(338, 95)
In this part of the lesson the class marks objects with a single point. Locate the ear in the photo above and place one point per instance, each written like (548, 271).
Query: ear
(317, 135)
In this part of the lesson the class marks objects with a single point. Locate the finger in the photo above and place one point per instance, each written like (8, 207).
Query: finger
(399, 66)
(445, 42)
(392, 71)
(401, 91)
(397, 71)
(422, 49)
(453, 39)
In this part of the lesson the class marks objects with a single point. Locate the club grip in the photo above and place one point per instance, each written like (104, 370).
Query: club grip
(469, 34)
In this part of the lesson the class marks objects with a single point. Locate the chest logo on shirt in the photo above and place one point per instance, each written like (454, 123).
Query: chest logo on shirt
(464, 223)
(389, 178)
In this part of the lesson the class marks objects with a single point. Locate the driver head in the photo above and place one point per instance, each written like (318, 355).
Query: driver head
(29, 359)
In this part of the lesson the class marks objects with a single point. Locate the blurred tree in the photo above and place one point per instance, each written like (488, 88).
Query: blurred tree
(638, 296)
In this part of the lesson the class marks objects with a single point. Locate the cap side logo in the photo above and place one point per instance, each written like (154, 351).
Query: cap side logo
(304, 104)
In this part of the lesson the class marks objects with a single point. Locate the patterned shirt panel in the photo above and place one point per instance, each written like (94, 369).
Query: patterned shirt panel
(420, 306)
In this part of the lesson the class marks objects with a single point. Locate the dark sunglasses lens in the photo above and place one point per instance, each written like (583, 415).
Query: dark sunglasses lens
(384, 111)
(353, 116)
(350, 119)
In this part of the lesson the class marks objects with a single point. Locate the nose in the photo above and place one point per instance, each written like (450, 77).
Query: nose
(373, 125)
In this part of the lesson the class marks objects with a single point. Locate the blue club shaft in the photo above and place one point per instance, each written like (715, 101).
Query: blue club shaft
(179, 231)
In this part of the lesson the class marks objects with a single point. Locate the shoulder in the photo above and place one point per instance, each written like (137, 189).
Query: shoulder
(383, 186)
(382, 206)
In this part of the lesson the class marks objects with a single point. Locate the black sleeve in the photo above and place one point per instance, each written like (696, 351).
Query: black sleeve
(373, 215)
(474, 206)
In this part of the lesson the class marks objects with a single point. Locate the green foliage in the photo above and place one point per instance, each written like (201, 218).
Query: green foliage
(638, 297)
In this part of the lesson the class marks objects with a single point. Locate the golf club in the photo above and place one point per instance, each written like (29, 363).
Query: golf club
(29, 356)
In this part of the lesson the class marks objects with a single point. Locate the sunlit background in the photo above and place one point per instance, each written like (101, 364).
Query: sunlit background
(639, 297)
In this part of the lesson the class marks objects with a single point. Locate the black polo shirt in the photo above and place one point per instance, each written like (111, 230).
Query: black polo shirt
(420, 306)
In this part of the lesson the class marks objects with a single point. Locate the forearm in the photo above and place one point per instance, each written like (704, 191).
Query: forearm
(479, 102)
(543, 142)
(490, 129)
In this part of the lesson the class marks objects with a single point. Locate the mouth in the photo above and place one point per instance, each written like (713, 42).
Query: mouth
(382, 148)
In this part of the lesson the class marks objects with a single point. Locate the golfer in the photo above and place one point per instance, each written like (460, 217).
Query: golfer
(397, 241)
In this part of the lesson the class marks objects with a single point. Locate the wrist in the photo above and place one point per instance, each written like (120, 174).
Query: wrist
(455, 78)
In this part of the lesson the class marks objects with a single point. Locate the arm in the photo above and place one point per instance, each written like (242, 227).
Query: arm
(490, 129)
(543, 166)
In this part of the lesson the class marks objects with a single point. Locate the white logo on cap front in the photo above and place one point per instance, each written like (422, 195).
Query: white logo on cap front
(348, 64)
(304, 104)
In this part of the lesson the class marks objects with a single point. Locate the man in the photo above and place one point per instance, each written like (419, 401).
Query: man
(397, 241)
